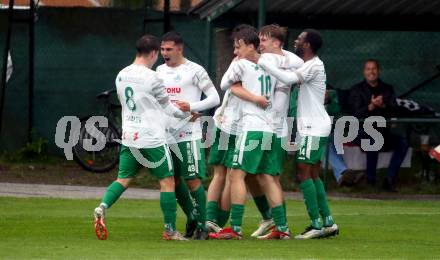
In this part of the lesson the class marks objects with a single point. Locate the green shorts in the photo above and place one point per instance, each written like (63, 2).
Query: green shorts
(222, 150)
(311, 149)
(191, 164)
(254, 153)
(157, 160)
(279, 153)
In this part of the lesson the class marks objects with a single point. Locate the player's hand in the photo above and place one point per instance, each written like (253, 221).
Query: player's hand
(182, 105)
(261, 101)
(194, 117)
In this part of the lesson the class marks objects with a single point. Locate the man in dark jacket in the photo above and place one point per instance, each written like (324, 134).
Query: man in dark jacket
(373, 97)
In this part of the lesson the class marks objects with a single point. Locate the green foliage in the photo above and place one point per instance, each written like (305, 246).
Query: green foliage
(33, 151)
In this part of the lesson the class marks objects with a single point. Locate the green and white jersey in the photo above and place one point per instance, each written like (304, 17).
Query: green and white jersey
(228, 116)
(287, 61)
(185, 82)
(140, 92)
(312, 118)
(258, 82)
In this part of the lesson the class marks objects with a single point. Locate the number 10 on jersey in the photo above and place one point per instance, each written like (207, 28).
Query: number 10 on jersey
(266, 86)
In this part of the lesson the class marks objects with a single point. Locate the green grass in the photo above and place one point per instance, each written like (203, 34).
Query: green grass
(61, 228)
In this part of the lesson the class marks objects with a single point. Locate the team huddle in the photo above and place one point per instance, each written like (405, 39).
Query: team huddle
(161, 130)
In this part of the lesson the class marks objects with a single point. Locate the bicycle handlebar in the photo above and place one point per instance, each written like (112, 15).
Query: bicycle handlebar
(106, 94)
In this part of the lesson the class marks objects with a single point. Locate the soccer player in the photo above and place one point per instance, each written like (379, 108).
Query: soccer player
(314, 126)
(253, 154)
(227, 126)
(272, 38)
(185, 81)
(143, 137)
(271, 41)
(227, 119)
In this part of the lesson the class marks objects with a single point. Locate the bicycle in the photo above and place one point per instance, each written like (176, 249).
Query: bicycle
(106, 159)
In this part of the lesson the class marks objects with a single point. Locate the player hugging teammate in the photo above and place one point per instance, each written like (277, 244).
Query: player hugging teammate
(250, 136)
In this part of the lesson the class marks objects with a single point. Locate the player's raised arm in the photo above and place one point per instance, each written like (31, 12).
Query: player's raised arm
(292, 61)
(202, 80)
(162, 98)
(287, 77)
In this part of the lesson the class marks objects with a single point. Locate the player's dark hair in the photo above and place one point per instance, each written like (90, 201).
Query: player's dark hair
(374, 61)
(146, 44)
(243, 26)
(173, 36)
(313, 37)
(274, 31)
(248, 35)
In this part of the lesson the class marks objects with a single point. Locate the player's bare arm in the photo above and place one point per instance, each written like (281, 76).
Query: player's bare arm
(238, 90)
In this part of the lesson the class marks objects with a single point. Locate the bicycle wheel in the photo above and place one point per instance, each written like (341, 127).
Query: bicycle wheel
(97, 161)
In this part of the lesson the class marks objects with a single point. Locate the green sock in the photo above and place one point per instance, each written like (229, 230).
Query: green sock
(223, 217)
(311, 201)
(323, 204)
(212, 211)
(185, 201)
(285, 209)
(200, 205)
(114, 191)
(169, 207)
(279, 218)
(263, 207)
(237, 212)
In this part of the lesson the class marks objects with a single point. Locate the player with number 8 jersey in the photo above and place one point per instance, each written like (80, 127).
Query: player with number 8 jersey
(142, 96)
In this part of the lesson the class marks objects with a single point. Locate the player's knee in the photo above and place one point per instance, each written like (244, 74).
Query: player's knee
(193, 184)
(236, 175)
(315, 171)
(220, 176)
(304, 172)
(264, 178)
(167, 184)
(124, 181)
(219, 170)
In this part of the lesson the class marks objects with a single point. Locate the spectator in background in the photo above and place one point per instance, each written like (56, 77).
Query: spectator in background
(343, 175)
(373, 97)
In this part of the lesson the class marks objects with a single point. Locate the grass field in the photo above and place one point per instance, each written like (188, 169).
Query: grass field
(59, 229)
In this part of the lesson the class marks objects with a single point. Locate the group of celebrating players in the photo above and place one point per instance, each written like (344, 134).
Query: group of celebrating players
(162, 131)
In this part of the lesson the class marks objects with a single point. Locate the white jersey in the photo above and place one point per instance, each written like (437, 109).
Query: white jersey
(281, 101)
(139, 91)
(312, 117)
(258, 82)
(228, 116)
(185, 82)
